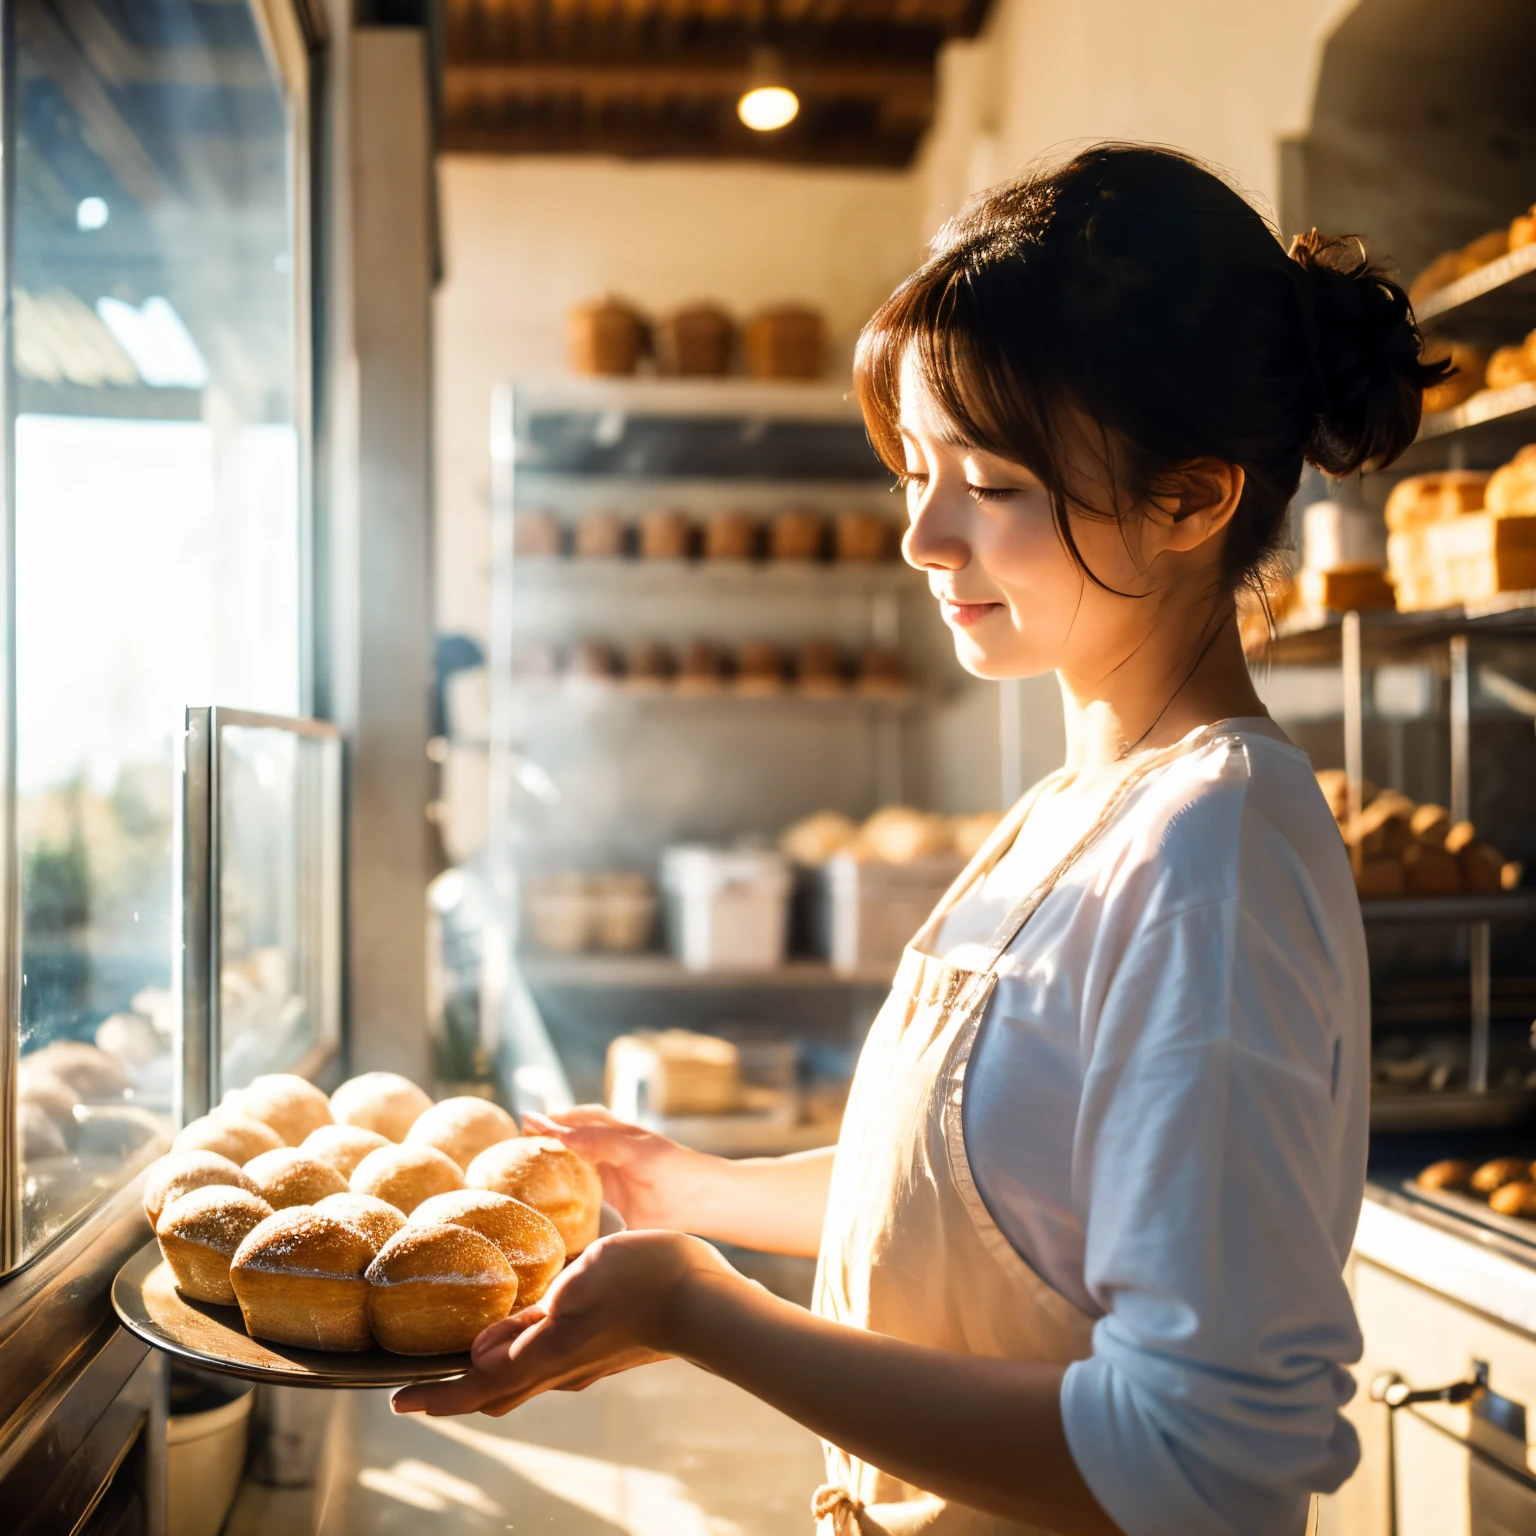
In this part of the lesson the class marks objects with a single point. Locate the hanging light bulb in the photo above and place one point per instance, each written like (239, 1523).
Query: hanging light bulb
(767, 103)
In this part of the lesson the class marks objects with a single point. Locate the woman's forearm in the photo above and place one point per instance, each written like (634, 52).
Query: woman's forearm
(982, 1432)
(773, 1204)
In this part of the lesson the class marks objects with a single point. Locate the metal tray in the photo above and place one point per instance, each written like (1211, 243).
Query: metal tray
(146, 1300)
(1453, 1110)
(147, 1303)
(1470, 1209)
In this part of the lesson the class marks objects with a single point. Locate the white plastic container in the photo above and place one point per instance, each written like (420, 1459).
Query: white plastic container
(727, 909)
(204, 1457)
(873, 910)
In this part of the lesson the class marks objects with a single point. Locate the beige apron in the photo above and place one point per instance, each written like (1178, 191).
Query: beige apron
(908, 1248)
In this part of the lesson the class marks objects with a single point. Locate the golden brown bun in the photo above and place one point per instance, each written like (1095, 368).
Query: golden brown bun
(529, 1241)
(375, 1219)
(380, 1101)
(342, 1146)
(405, 1176)
(1501, 1171)
(1518, 1199)
(1450, 1173)
(230, 1135)
(291, 1105)
(299, 1280)
(463, 1128)
(287, 1176)
(200, 1232)
(432, 1289)
(546, 1174)
(86, 1068)
(179, 1173)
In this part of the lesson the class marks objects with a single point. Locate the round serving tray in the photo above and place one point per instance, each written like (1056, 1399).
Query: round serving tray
(146, 1300)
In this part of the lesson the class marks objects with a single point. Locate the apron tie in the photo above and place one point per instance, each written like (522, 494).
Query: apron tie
(838, 1508)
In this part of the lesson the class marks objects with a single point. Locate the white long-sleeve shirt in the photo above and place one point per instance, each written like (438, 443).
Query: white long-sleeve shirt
(1166, 1115)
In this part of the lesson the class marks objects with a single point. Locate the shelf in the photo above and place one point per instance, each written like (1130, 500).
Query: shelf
(743, 578)
(1501, 295)
(1507, 906)
(1306, 639)
(731, 395)
(651, 971)
(618, 696)
(1484, 431)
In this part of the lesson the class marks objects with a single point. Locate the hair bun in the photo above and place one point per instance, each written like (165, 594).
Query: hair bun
(1369, 367)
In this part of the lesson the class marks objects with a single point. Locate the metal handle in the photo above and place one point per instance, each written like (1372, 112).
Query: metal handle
(1392, 1390)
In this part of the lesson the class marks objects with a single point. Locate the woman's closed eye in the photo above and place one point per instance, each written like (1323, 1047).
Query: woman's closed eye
(993, 492)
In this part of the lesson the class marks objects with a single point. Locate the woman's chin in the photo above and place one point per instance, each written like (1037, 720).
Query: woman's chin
(994, 665)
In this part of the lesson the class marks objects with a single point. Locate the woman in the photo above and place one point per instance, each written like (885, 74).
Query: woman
(1081, 1241)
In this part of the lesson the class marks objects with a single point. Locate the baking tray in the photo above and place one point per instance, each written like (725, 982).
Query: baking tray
(1451, 1110)
(1470, 1209)
(147, 1303)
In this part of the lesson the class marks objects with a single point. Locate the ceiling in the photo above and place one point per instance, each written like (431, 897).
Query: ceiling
(653, 78)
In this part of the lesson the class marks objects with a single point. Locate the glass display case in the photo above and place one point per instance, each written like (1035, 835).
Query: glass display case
(157, 443)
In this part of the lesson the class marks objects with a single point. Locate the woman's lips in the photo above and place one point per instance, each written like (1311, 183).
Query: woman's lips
(966, 614)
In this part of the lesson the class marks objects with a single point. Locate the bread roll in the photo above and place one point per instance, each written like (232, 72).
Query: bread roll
(463, 1128)
(1450, 1173)
(342, 1146)
(89, 1071)
(291, 1105)
(230, 1135)
(299, 1280)
(1507, 367)
(375, 1219)
(1429, 824)
(1518, 1199)
(40, 1136)
(51, 1096)
(1512, 486)
(529, 1240)
(546, 1174)
(288, 1176)
(179, 1173)
(380, 1101)
(405, 1176)
(1501, 1171)
(1430, 871)
(730, 536)
(200, 1232)
(432, 1289)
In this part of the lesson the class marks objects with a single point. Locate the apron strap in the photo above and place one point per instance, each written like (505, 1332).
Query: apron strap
(835, 1511)
(1012, 925)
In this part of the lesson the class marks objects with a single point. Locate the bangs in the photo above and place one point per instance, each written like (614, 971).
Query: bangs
(983, 373)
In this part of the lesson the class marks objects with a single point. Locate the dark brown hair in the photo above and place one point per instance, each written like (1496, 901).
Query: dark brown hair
(1133, 284)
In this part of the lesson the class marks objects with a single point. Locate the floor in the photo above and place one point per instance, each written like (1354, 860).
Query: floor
(664, 1451)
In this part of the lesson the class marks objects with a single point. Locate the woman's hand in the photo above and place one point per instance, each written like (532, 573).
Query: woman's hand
(647, 1179)
(615, 1308)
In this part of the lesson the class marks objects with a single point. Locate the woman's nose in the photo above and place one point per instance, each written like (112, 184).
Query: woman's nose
(931, 542)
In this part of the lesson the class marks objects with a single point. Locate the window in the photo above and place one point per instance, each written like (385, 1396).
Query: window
(158, 440)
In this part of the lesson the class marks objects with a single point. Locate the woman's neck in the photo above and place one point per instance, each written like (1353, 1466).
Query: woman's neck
(1179, 677)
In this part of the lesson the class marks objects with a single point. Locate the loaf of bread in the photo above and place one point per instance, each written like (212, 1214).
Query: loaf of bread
(230, 1135)
(375, 1219)
(861, 537)
(759, 668)
(1511, 488)
(1345, 589)
(683, 1072)
(1499, 1172)
(463, 1128)
(1429, 498)
(405, 1176)
(1431, 871)
(1470, 363)
(814, 839)
(546, 1174)
(1517, 1199)
(179, 1173)
(1522, 229)
(600, 536)
(1509, 366)
(730, 536)
(665, 534)
(795, 534)
(1450, 1173)
(432, 1289)
(342, 1146)
(383, 1102)
(199, 1234)
(288, 1176)
(291, 1105)
(298, 1277)
(529, 1241)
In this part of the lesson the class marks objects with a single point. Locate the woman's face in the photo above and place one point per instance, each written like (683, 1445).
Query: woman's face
(1016, 602)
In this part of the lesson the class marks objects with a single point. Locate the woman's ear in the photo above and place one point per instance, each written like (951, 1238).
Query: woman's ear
(1197, 501)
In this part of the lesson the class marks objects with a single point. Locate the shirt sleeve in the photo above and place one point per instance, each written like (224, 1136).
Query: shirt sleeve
(1207, 1166)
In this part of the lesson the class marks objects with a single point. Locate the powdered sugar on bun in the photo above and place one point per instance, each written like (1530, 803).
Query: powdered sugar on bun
(291, 1105)
(405, 1176)
(231, 1135)
(463, 1128)
(380, 1101)
(377, 1221)
(288, 1176)
(179, 1173)
(342, 1146)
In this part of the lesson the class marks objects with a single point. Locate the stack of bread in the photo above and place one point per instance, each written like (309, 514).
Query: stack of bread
(371, 1216)
(1507, 1184)
(684, 1073)
(1343, 563)
(1477, 370)
(1400, 847)
(895, 834)
(1463, 536)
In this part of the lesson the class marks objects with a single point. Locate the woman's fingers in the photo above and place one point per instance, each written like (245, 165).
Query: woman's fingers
(504, 1332)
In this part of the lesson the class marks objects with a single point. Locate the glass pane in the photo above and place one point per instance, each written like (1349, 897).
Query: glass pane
(278, 845)
(157, 467)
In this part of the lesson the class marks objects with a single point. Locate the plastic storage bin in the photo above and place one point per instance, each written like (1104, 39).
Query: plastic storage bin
(872, 911)
(205, 1446)
(726, 908)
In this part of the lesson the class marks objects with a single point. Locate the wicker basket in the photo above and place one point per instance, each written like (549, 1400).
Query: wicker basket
(607, 336)
(786, 342)
(698, 340)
